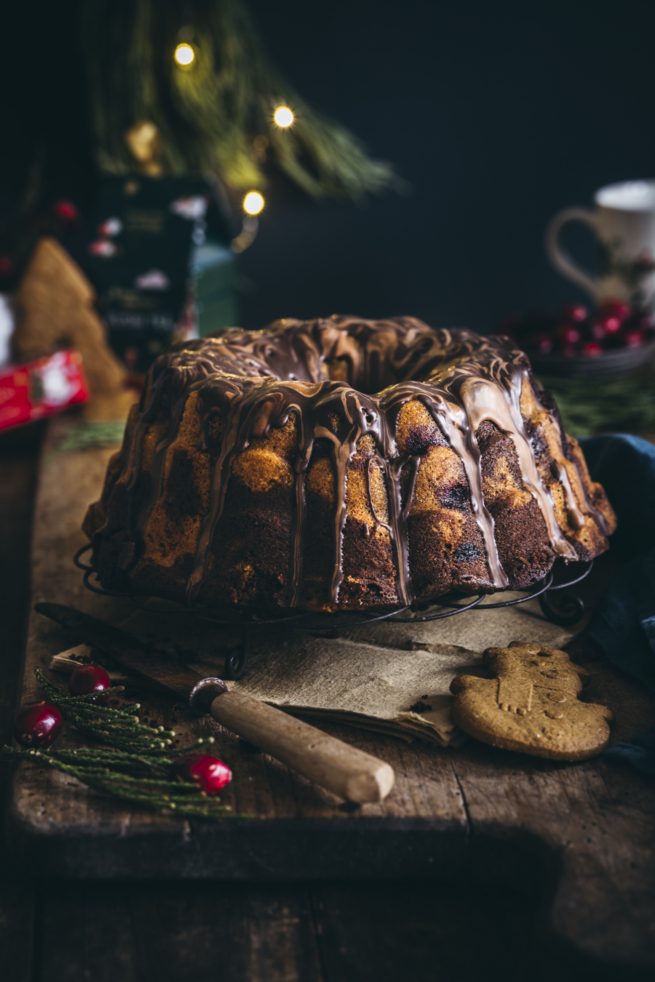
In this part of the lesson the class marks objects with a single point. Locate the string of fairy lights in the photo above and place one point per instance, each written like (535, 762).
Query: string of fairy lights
(253, 201)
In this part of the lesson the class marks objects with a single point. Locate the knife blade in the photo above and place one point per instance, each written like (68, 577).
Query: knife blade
(342, 769)
(124, 649)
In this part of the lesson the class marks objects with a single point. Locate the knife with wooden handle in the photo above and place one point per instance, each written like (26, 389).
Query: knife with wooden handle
(346, 771)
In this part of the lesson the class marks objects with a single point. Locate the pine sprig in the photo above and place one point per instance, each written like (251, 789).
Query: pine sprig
(126, 776)
(120, 726)
(137, 763)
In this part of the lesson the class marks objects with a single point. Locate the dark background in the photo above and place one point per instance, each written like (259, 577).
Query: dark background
(495, 114)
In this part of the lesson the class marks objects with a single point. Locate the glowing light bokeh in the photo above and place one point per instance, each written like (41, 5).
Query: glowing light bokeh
(284, 117)
(184, 55)
(253, 203)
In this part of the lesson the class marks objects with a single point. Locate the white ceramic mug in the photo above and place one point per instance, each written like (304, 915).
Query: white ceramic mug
(624, 224)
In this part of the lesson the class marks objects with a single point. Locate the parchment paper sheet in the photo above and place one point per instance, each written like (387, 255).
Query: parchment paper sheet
(385, 677)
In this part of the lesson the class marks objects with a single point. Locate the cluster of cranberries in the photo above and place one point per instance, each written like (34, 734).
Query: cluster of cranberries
(38, 725)
(576, 331)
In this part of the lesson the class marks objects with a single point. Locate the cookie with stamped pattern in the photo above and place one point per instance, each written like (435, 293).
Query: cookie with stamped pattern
(531, 704)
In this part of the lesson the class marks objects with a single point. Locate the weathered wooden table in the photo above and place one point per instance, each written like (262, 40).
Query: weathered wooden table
(495, 860)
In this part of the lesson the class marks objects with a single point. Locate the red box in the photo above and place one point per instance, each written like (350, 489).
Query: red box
(41, 388)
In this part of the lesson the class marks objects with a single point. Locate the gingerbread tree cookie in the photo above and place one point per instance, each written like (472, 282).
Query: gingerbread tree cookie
(531, 705)
(54, 305)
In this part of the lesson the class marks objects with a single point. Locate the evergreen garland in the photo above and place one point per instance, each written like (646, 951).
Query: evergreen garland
(216, 115)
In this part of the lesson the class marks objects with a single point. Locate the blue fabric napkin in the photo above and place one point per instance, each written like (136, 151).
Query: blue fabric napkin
(624, 623)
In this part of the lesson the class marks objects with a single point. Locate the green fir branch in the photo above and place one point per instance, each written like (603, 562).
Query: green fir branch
(125, 776)
(137, 764)
(216, 116)
(120, 726)
(591, 405)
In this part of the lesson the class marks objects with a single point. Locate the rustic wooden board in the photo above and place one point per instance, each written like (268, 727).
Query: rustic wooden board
(580, 835)
(354, 932)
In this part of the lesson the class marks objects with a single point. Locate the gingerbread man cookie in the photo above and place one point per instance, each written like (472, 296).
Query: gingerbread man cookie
(531, 705)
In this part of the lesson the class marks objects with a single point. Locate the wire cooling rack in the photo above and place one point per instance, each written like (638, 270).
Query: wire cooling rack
(558, 602)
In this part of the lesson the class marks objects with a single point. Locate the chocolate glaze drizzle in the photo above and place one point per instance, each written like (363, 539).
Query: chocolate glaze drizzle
(320, 373)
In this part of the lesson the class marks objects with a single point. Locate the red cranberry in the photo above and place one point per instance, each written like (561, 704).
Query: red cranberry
(37, 724)
(596, 331)
(634, 338)
(210, 773)
(544, 344)
(569, 335)
(575, 313)
(610, 324)
(592, 349)
(89, 678)
(615, 308)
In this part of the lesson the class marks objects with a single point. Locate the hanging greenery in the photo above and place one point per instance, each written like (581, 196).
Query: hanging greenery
(200, 73)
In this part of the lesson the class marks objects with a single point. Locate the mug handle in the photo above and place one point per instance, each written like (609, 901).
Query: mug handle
(561, 259)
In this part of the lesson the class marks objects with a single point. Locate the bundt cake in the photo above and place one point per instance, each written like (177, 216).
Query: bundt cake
(341, 464)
